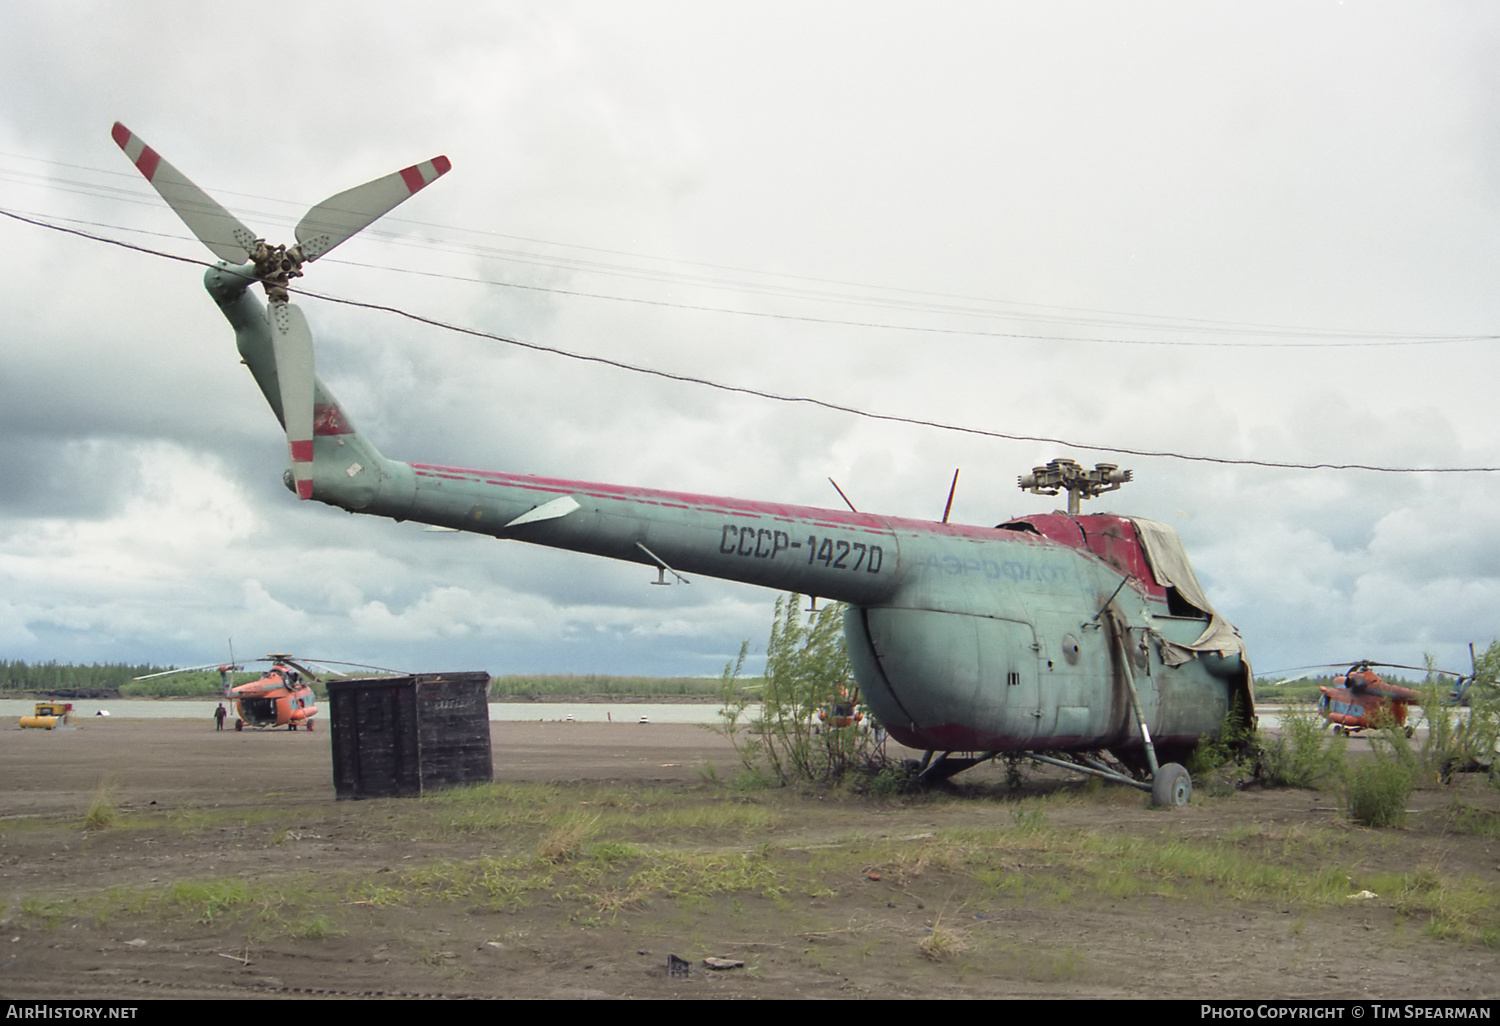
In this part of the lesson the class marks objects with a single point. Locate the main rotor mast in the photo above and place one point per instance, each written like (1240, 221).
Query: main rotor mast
(1080, 484)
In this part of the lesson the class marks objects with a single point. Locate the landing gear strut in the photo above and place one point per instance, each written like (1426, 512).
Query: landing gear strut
(1170, 786)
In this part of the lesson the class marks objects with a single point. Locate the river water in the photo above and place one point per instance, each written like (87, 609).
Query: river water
(194, 709)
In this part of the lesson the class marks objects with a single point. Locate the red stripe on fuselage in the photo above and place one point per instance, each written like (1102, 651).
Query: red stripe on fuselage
(831, 518)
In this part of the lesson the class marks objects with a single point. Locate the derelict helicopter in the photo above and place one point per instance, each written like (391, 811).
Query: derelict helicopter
(1085, 641)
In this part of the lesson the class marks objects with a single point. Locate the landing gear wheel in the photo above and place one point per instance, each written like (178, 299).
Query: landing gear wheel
(1172, 787)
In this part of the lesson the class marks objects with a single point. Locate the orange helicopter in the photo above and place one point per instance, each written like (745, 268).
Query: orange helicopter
(281, 697)
(844, 711)
(1359, 699)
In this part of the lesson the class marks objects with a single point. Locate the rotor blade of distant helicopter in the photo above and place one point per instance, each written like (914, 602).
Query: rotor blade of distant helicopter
(362, 666)
(185, 669)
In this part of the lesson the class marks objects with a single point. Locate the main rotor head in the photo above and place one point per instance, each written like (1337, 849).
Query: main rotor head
(1080, 484)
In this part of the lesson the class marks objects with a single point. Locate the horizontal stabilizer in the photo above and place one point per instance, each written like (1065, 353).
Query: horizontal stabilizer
(559, 507)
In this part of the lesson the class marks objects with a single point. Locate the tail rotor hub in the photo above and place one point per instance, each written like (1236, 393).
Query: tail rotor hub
(275, 267)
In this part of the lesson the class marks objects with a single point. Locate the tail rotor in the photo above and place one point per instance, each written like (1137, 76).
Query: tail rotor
(325, 226)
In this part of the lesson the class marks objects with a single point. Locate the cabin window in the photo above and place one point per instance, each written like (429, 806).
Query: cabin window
(1179, 606)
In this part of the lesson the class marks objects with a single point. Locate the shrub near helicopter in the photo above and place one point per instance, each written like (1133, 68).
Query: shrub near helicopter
(1082, 641)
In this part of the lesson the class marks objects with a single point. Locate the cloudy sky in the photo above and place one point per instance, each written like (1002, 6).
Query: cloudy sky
(1263, 232)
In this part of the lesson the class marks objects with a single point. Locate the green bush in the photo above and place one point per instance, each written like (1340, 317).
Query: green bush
(892, 779)
(1462, 739)
(1218, 762)
(807, 674)
(1376, 790)
(1301, 755)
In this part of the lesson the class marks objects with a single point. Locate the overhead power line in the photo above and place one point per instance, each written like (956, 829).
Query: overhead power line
(778, 397)
(1181, 332)
(1267, 335)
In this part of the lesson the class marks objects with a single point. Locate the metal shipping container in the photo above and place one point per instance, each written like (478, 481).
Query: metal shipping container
(400, 736)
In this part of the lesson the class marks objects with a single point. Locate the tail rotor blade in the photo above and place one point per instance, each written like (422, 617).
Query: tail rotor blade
(337, 218)
(291, 340)
(215, 227)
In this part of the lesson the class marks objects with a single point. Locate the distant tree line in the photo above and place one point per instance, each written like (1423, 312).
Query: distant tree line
(541, 686)
(19, 675)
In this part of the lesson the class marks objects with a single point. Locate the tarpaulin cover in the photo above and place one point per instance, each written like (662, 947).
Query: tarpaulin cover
(1169, 563)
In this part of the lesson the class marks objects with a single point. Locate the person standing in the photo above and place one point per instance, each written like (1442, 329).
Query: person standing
(219, 715)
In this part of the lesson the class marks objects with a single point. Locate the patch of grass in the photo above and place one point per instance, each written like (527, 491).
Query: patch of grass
(377, 895)
(596, 855)
(1460, 910)
(943, 942)
(1465, 819)
(49, 913)
(207, 900)
(611, 852)
(314, 927)
(716, 818)
(754, 779)
(1376, 794)
(564, 842)
(1029, 819)
(102, 813)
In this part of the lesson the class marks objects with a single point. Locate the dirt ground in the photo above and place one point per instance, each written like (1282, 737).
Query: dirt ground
(860, 939)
